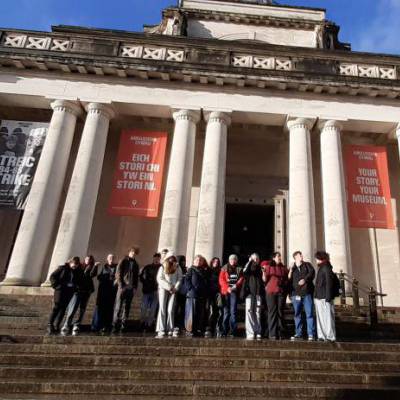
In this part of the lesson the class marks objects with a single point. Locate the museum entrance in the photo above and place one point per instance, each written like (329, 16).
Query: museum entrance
(249, 228)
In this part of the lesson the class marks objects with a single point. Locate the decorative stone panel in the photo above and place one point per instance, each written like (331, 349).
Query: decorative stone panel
(152, 53)
(367, 71)
(249, 61)
(35, 42)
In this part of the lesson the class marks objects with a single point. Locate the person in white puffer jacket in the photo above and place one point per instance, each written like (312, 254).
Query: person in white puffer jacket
(169, 278)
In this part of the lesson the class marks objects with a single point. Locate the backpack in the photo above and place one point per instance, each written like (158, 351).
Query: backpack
(336, 287)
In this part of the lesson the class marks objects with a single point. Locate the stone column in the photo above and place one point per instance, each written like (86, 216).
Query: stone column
(336, 226)
(302, 231)
(77, 217)
(211, 216)
(175, 217)
(34, 235)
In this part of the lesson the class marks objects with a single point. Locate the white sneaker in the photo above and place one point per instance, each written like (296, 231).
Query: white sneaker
(160, 335)
(75, 331)
(258, 337)
(175, 333)
(250, 338)
(64, 332)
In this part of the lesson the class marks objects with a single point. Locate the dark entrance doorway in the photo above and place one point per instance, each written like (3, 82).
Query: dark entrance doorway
(249, 229)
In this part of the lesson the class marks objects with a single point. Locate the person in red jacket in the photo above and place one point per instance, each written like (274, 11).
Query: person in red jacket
(276, 279)
(230, 282)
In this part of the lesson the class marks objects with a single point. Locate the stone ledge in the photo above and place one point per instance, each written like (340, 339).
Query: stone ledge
(26, 290)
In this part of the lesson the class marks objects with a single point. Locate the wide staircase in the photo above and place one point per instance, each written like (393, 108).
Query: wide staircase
(364, 364)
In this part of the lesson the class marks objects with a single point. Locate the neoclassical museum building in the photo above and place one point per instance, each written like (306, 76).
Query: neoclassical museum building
(266, 116)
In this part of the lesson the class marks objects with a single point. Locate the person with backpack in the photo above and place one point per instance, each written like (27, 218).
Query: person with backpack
(169, 279)
(276, 279)
(230, 282)
(65, 281)
(197, 282)
(253, 289)
(301, 277)
(149, 306)
(326, 289)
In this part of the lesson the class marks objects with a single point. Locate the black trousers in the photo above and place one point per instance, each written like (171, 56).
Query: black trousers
(196, 316)
(214, 316)
(276, 322)
(122, 306)
(61, 300)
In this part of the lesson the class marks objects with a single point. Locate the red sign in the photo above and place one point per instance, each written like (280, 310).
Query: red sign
(138, 176)
(368, 187)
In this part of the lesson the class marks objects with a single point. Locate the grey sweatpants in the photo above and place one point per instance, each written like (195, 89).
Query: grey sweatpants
(253, 317)
(325, 313)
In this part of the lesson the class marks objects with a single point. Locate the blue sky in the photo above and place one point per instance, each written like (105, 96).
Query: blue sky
(369, 25)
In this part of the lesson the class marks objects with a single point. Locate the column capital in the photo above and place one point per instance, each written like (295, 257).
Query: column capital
(67, 106)
(330, 125)
(100, 108)
(305, 123)
(221, 117)
(186, 115)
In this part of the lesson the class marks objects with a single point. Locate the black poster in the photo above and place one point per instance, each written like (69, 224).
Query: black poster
(21, 145)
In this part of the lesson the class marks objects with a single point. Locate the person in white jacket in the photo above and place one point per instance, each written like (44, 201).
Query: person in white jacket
(169, 278)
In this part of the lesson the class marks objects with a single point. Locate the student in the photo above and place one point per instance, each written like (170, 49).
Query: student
(230, 282)
(103, 315)
(214, 303)
(253, 289)
(65, 281)
(301, 277)
(276, 279)
(169, 279)
(148, 278)
(81, 298)
(197, 282)
(127, 279)
(324, 298)
(181, 295)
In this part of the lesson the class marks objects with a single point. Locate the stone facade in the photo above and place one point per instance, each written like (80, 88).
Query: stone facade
(258, 100)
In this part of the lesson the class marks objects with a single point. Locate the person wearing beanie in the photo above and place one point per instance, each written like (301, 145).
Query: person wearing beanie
(324, 298)
(253, 289)
(230, 282)
(276, 280)
(169, 279)
(197, 292)
(148, 278)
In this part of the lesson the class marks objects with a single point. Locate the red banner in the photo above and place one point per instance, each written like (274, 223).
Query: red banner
(368, 187)
(139, 172)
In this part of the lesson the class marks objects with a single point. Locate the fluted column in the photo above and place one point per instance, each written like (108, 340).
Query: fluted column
(77, 217)
(336, 226)
(34, 235)
(211, 216)
(175, 217)
(302, 233)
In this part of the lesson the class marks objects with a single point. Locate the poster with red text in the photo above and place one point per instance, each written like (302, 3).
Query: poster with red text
(368, 188)
(138, 174)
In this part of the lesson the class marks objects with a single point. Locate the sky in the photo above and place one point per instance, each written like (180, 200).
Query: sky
(369, 25)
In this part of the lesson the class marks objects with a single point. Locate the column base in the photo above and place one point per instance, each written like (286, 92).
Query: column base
(25, 290)
(18, 282)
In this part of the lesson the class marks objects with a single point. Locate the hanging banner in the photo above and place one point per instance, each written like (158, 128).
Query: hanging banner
(139, 172)
(368, 188)
(21, 145)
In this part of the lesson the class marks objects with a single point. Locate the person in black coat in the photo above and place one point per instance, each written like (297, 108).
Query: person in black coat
(106, 292)
(324, 298)
(215, 309)
(81, 298)
(65, 281)
(301, 276)
(181, 295)
(197, 282)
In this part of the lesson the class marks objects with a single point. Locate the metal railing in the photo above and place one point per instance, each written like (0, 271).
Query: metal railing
(356, 288)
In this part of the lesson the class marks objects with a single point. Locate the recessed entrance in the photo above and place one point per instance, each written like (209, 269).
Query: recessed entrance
(249, 228)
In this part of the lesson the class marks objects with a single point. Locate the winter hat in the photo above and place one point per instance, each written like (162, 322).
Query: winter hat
(170, 254)
(233, 257)
(264, 264)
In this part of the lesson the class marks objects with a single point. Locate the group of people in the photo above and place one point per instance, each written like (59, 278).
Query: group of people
(201, 299)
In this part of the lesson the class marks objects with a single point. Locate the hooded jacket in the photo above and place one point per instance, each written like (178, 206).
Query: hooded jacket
(305, 271)
(230, 277)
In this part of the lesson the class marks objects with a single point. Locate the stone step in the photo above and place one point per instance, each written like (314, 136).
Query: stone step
(233, 352)
(76, 375)
(145, 362)
(211, 389)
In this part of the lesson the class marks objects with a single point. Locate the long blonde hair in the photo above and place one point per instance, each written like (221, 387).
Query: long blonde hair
(170, 266)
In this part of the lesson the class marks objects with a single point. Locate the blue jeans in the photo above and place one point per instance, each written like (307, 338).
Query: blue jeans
(149, 308)
(230, 311)
(305, 302)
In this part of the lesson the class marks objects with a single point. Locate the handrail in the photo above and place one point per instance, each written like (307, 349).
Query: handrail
(355, 288)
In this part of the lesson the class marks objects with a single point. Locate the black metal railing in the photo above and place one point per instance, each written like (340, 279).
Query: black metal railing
(347, 282)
